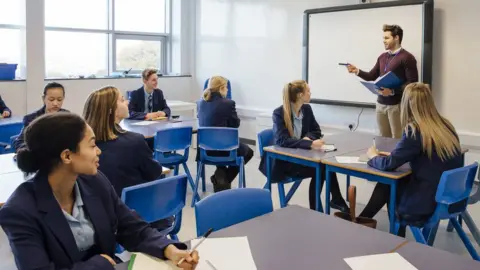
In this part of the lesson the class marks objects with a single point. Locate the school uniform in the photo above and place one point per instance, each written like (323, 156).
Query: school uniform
(27, 119)
(4, 108)
(221, 112)
(43, 236)
(304, 125)
(141, 103)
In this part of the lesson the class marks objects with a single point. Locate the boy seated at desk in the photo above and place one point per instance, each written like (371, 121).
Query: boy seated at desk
(5, 112)
(430, 144)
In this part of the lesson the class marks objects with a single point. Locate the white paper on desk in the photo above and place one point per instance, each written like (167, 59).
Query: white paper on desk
(146, 262)
(143, 123)
(328, 147)
(349, 160)
(232, 253)
(390, 261)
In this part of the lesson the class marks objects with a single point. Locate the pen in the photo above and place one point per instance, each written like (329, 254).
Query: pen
(374, 144)
(198, 244)
(343, 64)
(211, 265)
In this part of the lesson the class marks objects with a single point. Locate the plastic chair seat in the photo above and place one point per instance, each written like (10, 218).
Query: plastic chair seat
(171, 159)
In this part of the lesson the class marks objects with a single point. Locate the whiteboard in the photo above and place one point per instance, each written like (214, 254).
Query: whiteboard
(356, 37)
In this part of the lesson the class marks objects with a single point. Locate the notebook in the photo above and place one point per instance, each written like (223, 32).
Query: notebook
(390, 261)
(140, 261)
(389, 80)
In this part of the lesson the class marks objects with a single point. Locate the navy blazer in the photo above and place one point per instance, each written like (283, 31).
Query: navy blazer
(41, 238)
(128, 161)
(418, 196)
(217, 112)
(27, 119)
(136, 104)
(4, 108)
(310, 129)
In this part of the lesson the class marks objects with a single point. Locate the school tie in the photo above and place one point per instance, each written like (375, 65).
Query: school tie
(150, 102)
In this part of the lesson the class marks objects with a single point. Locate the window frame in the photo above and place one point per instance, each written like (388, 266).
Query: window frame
(113, 35)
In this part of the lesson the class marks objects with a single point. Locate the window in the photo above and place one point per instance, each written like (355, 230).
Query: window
(99, 37)
(12, 34)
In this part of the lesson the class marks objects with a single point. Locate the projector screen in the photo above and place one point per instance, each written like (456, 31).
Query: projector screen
(353, 34)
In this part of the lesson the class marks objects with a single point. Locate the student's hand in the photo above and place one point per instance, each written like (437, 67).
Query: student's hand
(161, 114)
(109, 259)
(317, 144)
(149, 116)
(385, 92)
(6, 114)
(352, 69)
(306, 138)
(175, 255)
(372, 152)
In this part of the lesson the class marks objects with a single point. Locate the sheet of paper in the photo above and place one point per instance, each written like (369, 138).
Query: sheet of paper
(328, 147)
(225, 253)
(143, 123)
(390, 261)
(349, 160)
(146, 262)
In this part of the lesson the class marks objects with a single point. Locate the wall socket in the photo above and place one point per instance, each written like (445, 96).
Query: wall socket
(351, 126)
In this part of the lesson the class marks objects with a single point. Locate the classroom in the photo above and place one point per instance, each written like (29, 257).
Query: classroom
(239, 134)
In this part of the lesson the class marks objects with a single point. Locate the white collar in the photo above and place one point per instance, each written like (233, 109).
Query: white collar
(395, 52)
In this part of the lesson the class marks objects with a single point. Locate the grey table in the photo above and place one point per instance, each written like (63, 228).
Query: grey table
(13, 119)
(299, 238)
(150, 130)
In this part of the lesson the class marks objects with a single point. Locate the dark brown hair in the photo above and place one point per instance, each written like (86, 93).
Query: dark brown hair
(396, 30)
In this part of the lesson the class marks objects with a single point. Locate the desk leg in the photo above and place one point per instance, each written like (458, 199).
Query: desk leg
(268, 185)
(319, 188)
(393, 200)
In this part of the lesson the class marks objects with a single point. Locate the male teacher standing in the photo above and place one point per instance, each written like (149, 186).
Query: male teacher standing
(399, 61)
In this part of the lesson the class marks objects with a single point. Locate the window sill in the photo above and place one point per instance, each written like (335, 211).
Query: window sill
(115, 78)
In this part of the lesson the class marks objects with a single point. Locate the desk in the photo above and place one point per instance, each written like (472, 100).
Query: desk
(298, 238)
(345, 142)
(11, 120)
(149, 131)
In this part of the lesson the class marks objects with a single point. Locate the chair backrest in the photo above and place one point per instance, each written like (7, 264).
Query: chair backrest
(475, 194)
(230, 207)
(454, 190)
(265, 139)
(173, 139)
(9, 130)
(158, 199)
(218, 139)
(229, 93)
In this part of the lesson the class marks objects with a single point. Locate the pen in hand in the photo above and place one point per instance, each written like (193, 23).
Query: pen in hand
(198, 244)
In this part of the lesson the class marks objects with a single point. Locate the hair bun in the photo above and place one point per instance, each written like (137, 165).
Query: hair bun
(26, 161)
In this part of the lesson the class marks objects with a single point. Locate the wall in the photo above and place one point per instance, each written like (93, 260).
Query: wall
(257, 45)
(14, 95)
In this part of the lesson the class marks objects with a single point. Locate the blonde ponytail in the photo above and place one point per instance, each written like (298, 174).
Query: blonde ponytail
(215, 84)
(290, 95)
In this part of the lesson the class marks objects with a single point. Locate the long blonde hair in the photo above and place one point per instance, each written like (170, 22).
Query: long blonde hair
(418, 112)
(290, 95)
(99, 113)
(215, 84)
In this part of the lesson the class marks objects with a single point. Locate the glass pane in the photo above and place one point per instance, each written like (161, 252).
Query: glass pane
(12, 12)
(87, 14)
(149, 15)
(72, 54)
(13, 51)
(138, 54)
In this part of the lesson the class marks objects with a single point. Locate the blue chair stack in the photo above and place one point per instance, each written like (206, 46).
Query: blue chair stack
(229, 93)
(8, 131)
(452, 199)
(167, 143)
(230, 207)
(159, 199)
(218, 139)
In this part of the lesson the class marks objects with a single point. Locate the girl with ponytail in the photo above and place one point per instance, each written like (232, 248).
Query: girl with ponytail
(294, 126)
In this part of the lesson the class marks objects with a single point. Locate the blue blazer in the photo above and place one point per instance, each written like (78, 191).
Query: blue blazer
(3, 107)
(136, 104)
(41, 238)
(418, 195)
(310, 129)
(128, 161)
(217, 112)
(27, 119)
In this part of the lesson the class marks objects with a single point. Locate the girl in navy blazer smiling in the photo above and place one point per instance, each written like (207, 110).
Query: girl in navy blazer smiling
(294, 126)
(430, 144)
(69, 216)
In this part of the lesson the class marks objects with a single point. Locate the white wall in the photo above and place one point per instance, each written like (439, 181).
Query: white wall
(258, 46)
(14, 95)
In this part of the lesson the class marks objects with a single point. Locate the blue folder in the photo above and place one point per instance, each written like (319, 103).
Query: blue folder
(389, 80)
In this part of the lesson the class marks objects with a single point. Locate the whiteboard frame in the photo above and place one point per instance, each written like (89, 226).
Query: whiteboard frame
(427, 50)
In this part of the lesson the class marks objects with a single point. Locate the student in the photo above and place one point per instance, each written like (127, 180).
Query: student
(69, 216)
(5, 112)
(430, 144)
(214, 110)
(53, 97)
(294, 126)
(148, 102)
(404, 65)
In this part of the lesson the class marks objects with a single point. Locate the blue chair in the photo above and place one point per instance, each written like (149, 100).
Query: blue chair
(218, 139)
(6, 133)
(159, 199)
(167, 143)
(230, 207)
(452, 199)
(229, 93)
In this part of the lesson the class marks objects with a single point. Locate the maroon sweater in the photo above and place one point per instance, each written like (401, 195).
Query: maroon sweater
(403, 64)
